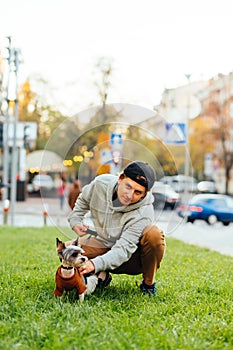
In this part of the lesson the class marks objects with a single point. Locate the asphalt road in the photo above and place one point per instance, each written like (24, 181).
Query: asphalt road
(216, 237)
(31, 213)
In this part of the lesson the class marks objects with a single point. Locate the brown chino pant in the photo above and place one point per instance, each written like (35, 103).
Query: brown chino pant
(146, 259)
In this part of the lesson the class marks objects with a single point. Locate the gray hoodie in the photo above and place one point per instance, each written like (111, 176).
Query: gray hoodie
(120, 228)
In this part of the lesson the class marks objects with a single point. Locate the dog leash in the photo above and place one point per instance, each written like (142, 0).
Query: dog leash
(91, 232)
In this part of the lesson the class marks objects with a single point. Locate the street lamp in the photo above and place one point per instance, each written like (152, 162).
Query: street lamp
(187, 158)
(187, 148)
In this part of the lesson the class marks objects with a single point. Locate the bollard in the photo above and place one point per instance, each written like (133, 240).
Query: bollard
(45, 214)
(6, 211)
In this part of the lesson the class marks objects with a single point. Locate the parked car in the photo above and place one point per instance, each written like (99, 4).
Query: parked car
(164, 196)
(208, 207)
(206, 187)
(42, 182)
(180, 183)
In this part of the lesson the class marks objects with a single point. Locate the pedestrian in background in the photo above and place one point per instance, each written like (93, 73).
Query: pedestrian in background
(74, 191)
(61, 193)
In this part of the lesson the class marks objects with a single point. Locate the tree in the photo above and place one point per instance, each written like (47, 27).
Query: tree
(217, 109)
(93, 140)
(34, 108)
(201, 140)
(27, 103)
(104, 71)
(102, 82)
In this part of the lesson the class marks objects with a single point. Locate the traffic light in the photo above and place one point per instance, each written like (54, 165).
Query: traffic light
(1, 134)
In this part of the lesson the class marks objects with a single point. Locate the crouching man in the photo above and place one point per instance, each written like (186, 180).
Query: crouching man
(125, 240)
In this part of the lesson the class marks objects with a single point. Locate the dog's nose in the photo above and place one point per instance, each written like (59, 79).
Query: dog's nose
(83, 259)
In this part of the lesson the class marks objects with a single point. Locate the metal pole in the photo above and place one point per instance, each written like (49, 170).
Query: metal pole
(187, 148)
(6, 132)
(14, 147)
(6, 153)
(187, 128)
(186, 169)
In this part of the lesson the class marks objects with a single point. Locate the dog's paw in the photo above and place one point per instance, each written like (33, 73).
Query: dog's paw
(81, 297)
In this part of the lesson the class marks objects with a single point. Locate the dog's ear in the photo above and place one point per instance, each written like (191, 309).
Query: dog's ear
(58, 241)
(60, 245)
(60, 248)
(75, 242)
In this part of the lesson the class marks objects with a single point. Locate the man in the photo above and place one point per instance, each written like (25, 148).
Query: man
(126, 241)
(74, 192)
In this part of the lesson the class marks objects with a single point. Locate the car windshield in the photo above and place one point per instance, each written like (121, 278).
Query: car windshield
(218, 202)
(229, 202)
(198, 200)
(42, 178)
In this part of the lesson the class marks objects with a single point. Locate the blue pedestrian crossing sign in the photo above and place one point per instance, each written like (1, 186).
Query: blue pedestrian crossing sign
(175, 133)
(116, 140)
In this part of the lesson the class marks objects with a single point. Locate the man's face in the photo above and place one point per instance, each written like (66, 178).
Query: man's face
(129, 191)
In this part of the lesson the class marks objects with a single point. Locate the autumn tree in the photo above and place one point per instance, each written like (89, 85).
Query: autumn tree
(201, 142)
(94, 138)
(216, 110)
(34, 108)
(103, 73)
(27, 103)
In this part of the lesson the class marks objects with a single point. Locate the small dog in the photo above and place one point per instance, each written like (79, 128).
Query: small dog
(67, 275)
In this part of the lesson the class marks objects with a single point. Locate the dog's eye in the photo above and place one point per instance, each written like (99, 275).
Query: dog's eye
(74, 255)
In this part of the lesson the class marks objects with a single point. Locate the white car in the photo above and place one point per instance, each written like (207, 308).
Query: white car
(207, 187)
(180, 183)
(164, 196)
(44, 182)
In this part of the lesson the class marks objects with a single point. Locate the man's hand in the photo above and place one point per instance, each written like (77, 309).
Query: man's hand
(80, 229)
(87, 267)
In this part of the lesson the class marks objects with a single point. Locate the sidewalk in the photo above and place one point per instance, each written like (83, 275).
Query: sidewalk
(31, 212)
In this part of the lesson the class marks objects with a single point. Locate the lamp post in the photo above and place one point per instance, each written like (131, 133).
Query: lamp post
(6, 126)
(187, 148)
(13, 96)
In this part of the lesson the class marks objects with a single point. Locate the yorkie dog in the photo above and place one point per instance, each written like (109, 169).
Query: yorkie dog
(68, 276)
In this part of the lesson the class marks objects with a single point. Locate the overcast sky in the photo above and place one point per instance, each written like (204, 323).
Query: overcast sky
(152, 45)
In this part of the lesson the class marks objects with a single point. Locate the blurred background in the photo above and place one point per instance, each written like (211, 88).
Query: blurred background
(86, 87)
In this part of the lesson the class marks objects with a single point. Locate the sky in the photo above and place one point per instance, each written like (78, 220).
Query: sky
(151, 45)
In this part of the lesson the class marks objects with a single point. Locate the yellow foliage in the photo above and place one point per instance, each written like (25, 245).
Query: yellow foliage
(103, 169)
(25, 99)
(102, 137)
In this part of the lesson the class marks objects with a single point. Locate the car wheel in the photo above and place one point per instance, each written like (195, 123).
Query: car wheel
(190, 220)
(226, 223)
(212, 219)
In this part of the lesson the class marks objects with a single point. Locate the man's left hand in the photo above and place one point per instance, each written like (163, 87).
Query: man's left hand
(87, 267)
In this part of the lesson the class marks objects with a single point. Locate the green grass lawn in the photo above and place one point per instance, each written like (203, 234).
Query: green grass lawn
(193, 309)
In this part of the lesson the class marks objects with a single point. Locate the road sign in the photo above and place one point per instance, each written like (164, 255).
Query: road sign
(116, 140)
(106, 156)
(175, 134)
(208, 164)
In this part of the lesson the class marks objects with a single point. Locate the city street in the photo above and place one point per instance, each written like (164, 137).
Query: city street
(216, 237)
(31, 213)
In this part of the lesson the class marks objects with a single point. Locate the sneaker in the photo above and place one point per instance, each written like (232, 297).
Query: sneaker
(148, 290)
(104, 283)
